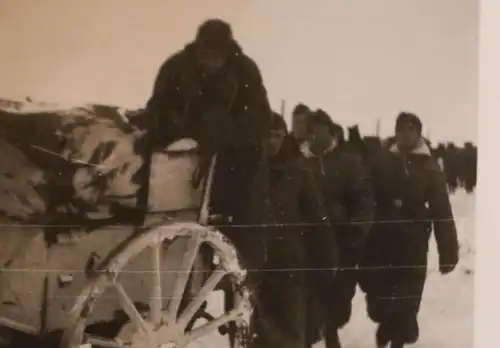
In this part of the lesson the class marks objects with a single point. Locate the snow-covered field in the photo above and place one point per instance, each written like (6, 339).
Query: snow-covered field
(446, 316)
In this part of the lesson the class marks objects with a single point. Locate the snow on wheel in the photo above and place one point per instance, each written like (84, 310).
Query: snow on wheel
(165, 322)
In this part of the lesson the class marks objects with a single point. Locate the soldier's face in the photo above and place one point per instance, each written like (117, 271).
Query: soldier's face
(211, 60)
(274, 142)
(299, 128)
(407, 137)
(320, 138)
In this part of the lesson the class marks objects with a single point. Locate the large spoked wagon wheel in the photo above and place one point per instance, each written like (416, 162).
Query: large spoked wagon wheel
(164, 325)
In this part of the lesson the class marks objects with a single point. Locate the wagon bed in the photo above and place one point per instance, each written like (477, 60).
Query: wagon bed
(148, 283)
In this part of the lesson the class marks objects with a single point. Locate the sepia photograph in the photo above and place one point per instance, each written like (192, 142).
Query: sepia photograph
(240, 174)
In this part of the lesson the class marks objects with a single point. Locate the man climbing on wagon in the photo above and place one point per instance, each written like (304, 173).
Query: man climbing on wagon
(212, 92)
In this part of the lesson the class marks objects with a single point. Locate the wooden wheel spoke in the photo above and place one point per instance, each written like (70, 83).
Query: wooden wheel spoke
(104, 342)
(130, 309)
(78, 331)
(193, 246)
(203, 294)
(211, 326)
(166, 323)
(156, 298)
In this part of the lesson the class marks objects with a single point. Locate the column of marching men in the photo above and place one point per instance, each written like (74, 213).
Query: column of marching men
(312, 216)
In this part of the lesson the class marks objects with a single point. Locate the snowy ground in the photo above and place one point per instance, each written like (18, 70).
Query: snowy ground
(446, 316)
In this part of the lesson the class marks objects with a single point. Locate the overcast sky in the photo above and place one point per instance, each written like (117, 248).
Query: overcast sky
(360, 60)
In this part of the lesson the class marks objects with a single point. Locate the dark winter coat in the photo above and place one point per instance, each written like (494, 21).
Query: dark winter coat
(302, 226)
(228, 114)
(232, 106)
(347, 192)
(412, 199)
(301, 240)
(346, 189)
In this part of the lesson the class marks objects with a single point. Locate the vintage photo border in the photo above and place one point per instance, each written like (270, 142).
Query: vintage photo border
(487, 289)
(487, 257)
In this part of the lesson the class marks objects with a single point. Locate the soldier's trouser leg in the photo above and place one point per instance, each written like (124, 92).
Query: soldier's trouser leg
(314, 316)
(344, 289)
(397, 307)
(281, 310)
(339, 305)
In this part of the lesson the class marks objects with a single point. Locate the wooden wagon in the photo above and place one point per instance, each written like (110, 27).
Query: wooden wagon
(123, 286)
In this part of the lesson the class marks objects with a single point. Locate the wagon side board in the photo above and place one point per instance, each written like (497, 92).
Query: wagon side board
(23, 271)
(69, 262)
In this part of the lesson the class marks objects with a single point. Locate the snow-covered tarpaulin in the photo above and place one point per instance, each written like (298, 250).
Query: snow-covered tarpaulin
(49, 161)
(80, 160)
(68, 165)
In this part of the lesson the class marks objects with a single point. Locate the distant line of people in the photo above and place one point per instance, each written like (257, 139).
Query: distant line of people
(313, 215)
(459, 164)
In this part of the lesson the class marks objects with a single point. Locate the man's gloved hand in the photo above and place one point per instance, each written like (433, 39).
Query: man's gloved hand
(447, 265)
(446, 269)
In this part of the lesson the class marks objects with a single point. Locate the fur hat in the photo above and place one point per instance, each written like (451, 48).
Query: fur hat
(214, 33)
